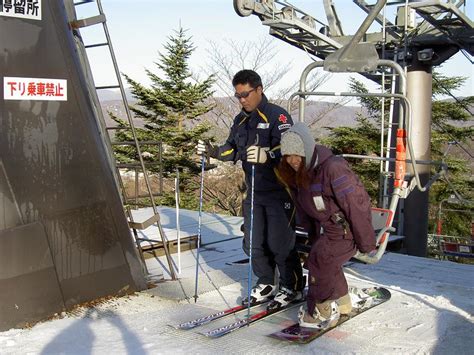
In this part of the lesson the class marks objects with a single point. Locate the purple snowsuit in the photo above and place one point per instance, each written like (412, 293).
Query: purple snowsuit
(335, 211)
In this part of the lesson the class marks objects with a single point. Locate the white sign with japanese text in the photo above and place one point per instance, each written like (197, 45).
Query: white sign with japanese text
(30, 9)
(37, 89)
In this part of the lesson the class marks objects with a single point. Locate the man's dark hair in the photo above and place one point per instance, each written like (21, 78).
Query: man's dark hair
(247, 76)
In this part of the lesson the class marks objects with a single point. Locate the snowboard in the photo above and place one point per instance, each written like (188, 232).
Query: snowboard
(302, 335)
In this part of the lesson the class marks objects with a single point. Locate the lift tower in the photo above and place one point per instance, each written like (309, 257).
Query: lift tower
(423, 34)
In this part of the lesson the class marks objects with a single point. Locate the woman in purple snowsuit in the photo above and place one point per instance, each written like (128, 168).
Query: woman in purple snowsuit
(334, 208)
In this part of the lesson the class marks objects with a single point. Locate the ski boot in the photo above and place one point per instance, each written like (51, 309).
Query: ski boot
(326, 315)
(260, 293)
(284, 297)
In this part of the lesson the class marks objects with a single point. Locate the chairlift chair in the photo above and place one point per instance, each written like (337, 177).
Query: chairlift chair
(382, 218)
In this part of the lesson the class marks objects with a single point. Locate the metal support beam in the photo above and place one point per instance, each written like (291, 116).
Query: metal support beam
(334, 23)
(419, 92)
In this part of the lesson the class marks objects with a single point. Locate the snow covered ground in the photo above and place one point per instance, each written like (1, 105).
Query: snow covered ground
(431, 310)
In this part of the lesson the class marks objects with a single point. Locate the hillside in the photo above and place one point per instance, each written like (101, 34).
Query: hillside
(318, 114)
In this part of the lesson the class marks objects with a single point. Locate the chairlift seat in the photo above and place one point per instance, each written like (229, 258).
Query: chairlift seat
(381, 222)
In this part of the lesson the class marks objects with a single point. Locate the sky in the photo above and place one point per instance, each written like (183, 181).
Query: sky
(140, 28)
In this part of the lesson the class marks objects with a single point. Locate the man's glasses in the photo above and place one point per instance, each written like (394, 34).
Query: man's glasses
(243, 94)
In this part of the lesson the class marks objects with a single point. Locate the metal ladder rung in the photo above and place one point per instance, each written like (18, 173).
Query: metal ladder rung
(107, 87)
(82, 2)
(149, 240)
(143, 225)
(103, 44)
(90, 21)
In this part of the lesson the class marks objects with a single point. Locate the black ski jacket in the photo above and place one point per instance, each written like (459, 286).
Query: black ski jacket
(262, 127)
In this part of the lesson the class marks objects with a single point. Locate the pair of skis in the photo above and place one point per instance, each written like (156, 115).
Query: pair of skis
(228, 328)
(211, 317)
(371, 297)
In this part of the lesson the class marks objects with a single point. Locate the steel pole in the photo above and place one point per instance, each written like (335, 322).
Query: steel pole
(419, 93)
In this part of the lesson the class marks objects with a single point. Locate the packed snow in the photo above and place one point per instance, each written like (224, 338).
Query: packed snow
(431, 309)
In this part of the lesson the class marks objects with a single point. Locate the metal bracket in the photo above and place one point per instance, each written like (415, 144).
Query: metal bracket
(362, 58)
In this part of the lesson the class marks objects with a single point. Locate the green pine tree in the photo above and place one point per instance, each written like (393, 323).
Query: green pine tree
(459, 176)
(169, 108)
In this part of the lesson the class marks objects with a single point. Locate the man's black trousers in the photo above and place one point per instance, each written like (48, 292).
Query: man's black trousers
(273, 242)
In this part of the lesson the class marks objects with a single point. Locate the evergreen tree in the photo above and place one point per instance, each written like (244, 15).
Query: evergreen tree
(452, 126)
(169, 108)
(363, 139)
(447, 126)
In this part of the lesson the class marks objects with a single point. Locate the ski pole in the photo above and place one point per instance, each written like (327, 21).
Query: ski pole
(178, 227)
(203, 162)
(250, 241)
(252, 192)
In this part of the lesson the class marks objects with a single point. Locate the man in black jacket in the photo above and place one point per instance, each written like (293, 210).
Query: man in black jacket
(254, 139)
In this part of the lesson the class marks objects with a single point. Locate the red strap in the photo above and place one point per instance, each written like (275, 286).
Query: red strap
(400, 158)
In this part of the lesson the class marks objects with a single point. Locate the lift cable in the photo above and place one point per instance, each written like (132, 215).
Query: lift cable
(448, 92)
(464, 52)
(462, 200)
(453, 139)
(464, 106)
